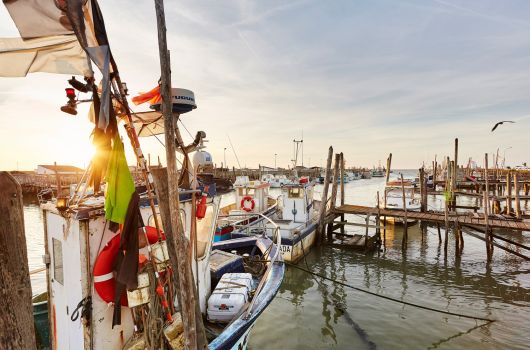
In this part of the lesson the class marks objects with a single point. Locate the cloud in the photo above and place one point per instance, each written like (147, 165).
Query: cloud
(369, 78)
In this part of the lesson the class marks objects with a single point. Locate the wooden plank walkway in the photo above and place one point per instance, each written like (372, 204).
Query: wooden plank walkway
(497, 221)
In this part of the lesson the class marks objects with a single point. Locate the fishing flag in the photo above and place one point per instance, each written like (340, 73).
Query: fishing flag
(120, 184)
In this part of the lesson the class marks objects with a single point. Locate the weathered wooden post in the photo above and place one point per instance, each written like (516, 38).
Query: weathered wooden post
(388, 165)
(517, 198)
(378, 221)
(489, 246)
(405, 221)
(324, 200)
(453, 185)
(16, 322)
(334, 188)
(455, 176)
(434, 175)
(342, 194)
(508, 193)
(194, 334)
(423, 190)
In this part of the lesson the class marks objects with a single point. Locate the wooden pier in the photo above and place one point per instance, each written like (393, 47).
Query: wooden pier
(463, 219)
(497, 195)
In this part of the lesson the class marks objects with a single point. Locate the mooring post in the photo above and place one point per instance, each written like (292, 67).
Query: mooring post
(423, 190)
(334, 188)
(324, 200)
(405, 221)
(508, 191)
(489, 240)
(517, 198)
(388, 165)
(378, 221)
(447, 200)
(439, 233)
(455, 175)
(16, 322)
(342, 194)
(453, 186)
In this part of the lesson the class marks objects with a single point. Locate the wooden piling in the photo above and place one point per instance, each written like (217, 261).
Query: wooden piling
(405, 222)
(16, 322)
(439, 233)
(334, 188)
(388, 165)
(489, 240)
(342, 195)
(508, 193)
(455, 175)
(378, 220)
(324, 200)
(517, 198)
(423, 190)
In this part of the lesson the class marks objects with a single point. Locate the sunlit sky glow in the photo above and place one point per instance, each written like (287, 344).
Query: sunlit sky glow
(368, 77)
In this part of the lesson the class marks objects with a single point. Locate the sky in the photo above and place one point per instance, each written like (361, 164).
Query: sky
(366, 77)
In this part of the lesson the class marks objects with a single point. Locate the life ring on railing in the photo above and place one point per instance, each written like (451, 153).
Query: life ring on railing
(104, 282)
(245, 200)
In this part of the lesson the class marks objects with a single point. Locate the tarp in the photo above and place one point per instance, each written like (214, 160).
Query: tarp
(53, 54)
(46, 20)
(147, 123)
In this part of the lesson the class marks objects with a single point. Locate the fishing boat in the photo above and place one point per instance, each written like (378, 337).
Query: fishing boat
(297, 220)
(113, 280)
(276, 181)
(378, 172)
(353, 175)
(252, 203)
(234, 283)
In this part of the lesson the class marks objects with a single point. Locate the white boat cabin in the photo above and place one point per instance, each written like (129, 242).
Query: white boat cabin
(73, 241)
(251, 196)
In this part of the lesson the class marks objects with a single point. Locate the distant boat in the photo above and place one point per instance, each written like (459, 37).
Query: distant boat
(379, 172)
(276, 181)
(352, 176)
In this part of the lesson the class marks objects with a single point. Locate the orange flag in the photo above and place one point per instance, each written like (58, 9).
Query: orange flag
(152, 96)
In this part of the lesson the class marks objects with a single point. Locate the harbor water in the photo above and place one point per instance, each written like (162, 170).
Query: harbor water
(311, 313)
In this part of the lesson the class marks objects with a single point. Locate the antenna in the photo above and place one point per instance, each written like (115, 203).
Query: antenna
(234, 150)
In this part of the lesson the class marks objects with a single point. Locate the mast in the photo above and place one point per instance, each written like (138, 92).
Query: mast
(193, 326)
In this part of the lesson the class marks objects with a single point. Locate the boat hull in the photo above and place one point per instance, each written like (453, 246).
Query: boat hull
(293, 249)
(237, 334)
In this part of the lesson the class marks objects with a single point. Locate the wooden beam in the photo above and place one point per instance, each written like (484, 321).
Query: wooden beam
(16, 322)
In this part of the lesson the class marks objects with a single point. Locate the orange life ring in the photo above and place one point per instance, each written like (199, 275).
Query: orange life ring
(245, 200)
(104, 282)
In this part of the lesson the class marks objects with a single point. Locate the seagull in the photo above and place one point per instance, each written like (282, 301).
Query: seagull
(499, 123)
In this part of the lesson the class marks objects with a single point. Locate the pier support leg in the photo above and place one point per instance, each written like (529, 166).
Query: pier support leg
(16, 322)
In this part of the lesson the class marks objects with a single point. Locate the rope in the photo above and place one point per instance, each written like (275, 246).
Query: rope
(389, 298)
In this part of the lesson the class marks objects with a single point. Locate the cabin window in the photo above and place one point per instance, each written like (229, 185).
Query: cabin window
(251, 191)
(295, 193)
(58, 274)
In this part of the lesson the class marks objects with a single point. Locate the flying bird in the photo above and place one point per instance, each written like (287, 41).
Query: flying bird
(499, 123)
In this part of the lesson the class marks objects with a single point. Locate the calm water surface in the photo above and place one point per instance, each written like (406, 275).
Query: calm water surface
(312, 314)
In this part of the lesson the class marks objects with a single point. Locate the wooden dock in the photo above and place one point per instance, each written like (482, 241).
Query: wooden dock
(463, 219)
